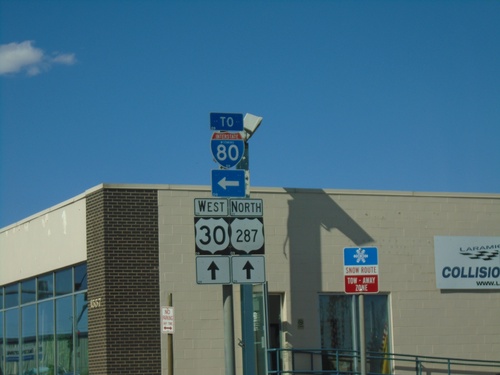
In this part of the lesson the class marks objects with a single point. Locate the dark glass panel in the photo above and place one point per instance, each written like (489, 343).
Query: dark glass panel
(28, 291)
(28, 339)
(12, 295)
(82, 334)
(45, 286)
(1, 298)
(64, 282)
(2, 370)
(81, 277)
(12, 342)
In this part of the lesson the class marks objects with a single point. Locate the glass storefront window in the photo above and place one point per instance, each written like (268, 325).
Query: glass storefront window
(64, 334)
(340, 327)
(11, 295)
(64, 282)
(2, 370)
(46, 286)
(82, 334)
(81, 277)
(41, 332)
(12, 342)
(46, 347)
(28, 291)
(28, 341)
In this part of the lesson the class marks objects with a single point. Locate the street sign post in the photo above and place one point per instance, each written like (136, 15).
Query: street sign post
(227, 148)
(228, 183)
(232, 122)
(361, 270)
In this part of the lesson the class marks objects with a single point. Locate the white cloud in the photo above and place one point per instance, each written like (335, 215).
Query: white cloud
(16, 57)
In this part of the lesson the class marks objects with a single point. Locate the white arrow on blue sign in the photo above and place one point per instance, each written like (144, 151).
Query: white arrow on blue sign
(228, 122)
(227, 148)
(228, 183)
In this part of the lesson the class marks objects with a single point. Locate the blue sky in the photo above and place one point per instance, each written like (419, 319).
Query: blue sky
(378, 95)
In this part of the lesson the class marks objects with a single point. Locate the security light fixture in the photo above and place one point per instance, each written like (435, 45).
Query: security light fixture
(250, 124)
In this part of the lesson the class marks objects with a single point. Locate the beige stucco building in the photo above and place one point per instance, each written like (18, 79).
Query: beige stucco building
(138, 245)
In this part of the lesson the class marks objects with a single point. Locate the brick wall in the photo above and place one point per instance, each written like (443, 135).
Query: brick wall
(122, 253)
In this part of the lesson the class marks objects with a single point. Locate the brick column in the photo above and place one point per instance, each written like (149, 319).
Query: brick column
(123, 277)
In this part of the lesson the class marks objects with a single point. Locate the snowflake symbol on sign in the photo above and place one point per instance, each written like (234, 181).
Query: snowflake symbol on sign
(360, 255)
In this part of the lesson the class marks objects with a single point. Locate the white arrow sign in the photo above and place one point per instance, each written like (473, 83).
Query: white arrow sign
(224, 183)
(248, 269)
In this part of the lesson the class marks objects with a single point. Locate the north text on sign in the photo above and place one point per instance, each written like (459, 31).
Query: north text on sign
(246, 207)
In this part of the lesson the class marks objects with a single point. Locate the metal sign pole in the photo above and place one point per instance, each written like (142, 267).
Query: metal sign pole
(362, 338)
(227, 300)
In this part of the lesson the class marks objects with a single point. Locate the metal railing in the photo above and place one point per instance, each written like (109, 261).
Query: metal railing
(347, 362)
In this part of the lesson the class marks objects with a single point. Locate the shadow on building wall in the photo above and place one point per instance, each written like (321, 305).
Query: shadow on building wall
(308, 212)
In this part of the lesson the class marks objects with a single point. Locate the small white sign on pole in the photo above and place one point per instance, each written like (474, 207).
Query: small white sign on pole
(167, 319)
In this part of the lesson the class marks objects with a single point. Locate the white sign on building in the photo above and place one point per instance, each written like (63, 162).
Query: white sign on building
(467, 262)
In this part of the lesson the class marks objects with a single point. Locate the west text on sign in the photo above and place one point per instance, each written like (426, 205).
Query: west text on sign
(211, 207)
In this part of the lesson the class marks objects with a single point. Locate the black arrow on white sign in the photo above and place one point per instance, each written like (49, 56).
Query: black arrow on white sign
(213, 268)
(248, 267)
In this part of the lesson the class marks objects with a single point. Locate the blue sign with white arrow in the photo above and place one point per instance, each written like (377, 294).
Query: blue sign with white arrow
(228, 183)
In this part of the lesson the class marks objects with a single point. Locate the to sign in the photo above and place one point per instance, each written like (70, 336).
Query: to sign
(227, 148)
(224, 236)
(361, 270)
(226, 122)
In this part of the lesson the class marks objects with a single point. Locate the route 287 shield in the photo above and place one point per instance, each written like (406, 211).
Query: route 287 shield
(227, 148)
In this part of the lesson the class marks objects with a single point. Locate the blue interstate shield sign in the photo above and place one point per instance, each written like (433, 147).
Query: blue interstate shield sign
(227, 148)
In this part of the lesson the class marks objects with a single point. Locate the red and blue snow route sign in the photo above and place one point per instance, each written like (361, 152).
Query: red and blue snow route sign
(360, 270)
